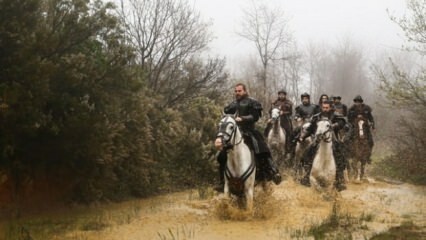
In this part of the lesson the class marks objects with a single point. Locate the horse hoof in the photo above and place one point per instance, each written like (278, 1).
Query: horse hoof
(305, 182)
(277, 179)
(340, 187)
(219, 188)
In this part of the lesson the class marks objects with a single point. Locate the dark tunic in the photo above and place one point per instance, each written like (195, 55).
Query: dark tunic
(306, 111)
(250, 110)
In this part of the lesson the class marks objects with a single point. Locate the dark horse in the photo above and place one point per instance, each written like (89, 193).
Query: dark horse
(360, 149)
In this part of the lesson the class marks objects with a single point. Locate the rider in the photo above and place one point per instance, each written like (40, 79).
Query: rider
(286, 110)
(359, 109)
(308, 157)
(305, 111)
(323, 97)
(248, 111)
(339, 106)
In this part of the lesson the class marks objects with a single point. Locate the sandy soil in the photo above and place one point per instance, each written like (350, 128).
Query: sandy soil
(287, 212)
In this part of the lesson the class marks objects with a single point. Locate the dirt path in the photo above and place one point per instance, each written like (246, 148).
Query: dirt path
(288, 213)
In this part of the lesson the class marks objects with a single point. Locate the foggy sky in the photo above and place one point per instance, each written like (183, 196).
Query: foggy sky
(321, 21)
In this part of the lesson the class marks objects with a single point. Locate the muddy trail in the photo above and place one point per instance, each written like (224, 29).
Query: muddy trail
(288, 211)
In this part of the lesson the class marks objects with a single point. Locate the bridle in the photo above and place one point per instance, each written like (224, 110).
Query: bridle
(227, 137)
(322, 135)
(236, 183)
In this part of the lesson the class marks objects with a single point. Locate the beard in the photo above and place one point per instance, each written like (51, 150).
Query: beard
(326, 114)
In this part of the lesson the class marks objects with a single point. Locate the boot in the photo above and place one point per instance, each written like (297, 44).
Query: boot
(340, 181)
(305, 180)
(220, 187)
(221, 158)
(307, 160)
(272, 171)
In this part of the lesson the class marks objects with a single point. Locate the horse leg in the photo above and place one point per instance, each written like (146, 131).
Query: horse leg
(362, 170)
(249, 192)
(249, 199)
(313, 179)
(358, 170)
(226, 189)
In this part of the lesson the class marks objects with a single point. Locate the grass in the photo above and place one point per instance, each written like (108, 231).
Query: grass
(339, 225)
(183, 232)
(407, 230)
(49, 227)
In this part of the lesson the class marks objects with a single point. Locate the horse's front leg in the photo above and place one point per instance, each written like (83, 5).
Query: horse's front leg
(226, 189)
(249, 192)
(358, 171)
(362, 170)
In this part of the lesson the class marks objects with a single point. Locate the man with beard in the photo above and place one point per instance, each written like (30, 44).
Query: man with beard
(359, 109)
(304, 112)
(286, 110)
(338, 152)
(339, 106)
(248, 112)
(306, 109)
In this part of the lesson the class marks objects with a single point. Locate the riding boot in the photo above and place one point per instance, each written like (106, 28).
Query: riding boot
(272, 172)
(221, 158)
(305, 180)
(340, 181)
(307, 159)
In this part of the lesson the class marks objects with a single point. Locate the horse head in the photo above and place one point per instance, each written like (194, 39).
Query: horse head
(275, 114)
(323, 132)
(360, 123)
(305, 127)
(228, 129)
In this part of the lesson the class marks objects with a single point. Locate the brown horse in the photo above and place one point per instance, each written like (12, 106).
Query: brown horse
(360, 149)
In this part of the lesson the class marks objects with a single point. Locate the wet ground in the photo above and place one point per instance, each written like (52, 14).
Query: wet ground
(288, 211)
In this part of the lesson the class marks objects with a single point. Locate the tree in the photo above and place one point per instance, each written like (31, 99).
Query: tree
(405, 93)
(168, 37)
(413, 25)
(338, 70)
(267, 29)
(71, 97)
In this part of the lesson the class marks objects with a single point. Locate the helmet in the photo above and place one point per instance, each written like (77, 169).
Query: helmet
(305, 94)
(282, 91)
(358, 98)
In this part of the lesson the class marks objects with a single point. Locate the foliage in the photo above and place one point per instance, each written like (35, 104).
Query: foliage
(168, 37)
(413, 25)
(76, 112)
(406, 93)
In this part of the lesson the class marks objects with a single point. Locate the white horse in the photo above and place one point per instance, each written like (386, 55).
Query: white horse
(301, 148)
(276, 137)
(241, 166)
(323, 171)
